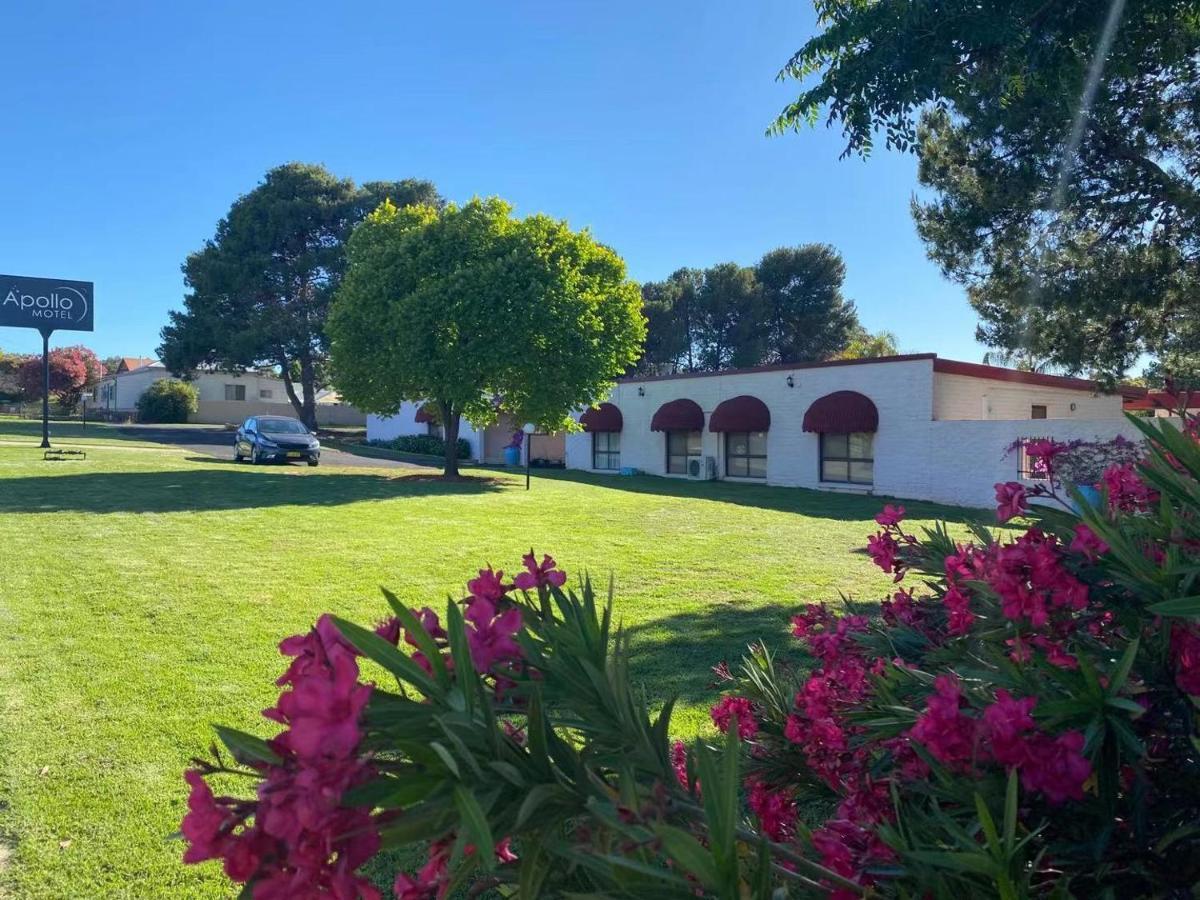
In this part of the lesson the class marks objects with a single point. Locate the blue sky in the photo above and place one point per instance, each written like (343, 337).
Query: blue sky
(130, 128)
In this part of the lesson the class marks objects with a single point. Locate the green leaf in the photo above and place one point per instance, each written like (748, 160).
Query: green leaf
(977, 863)
(414, 629)
(1181, 607)
(375, 648)
(476, 825)
(689, 853)
(1121, 673)
(246, 748)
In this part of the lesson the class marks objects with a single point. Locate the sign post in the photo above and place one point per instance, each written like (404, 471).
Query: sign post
(49, 305)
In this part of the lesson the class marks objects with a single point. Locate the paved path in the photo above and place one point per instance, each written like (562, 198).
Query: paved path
(218, 442)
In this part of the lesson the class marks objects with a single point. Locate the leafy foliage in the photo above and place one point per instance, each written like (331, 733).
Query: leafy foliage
(865, 345)
(72, 371)
(168, 400)
(787, 308)
(1027, 724)
(428, 444)
(1064, 165)
(260, 289)
(472, 309)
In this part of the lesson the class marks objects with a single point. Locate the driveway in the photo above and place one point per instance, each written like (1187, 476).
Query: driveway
(217, 442)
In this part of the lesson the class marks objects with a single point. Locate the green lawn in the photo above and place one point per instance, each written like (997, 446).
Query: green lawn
(143, 593)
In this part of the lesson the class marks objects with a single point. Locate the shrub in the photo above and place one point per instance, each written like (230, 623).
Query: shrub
(427, 444)
(1020, 718)
(168, 400)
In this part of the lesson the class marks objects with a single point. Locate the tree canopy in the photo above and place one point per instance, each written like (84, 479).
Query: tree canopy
(477, 311)
(1067, 205)
(72, 371)
(789, 307)
(260, 289)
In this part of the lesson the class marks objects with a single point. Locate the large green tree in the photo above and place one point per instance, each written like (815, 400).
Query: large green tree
(1061, 142)
(259, 290)
(787, 308)
(476, 310)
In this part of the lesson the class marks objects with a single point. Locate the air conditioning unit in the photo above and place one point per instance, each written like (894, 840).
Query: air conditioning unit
(702, 469)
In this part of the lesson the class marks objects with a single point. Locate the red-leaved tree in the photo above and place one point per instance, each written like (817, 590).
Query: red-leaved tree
(72, 370)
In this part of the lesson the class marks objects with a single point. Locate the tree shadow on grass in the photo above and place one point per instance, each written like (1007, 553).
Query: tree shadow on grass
(673, 657)
(802, 501)
(219, 488)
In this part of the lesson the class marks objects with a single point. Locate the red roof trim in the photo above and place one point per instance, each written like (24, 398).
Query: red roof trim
(1013, 376)
(842, 412)
(604, 417)
(780, 367)
(1163, 400)
(678, 415)
(744, 413)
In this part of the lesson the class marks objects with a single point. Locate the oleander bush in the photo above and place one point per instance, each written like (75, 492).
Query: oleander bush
(427, 444)
(168, 401)
(1019, 718)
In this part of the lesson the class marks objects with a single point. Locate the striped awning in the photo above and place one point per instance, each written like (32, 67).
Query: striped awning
(842, 412)
(604, 417)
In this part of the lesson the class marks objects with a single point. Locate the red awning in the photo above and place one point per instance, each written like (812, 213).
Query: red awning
(842, 412)
(428, 413)
(678, 415)
(604, 417)
(744, 413)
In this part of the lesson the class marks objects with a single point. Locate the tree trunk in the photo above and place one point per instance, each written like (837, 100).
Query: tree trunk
(285, 373)
(308, 377)
(450, 433)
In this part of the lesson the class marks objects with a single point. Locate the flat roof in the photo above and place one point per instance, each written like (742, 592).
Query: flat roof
(945, 366)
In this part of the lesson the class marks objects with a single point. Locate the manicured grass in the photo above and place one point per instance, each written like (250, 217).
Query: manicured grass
(143, 593)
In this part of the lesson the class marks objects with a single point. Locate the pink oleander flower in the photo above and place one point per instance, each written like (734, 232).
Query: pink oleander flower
(883, 548)
(431, 879)
(735, 709)
(538, 575)
(959, 618)
(1126, 490)
(891, 516)
(1012, 500)
(490, 634)
(1006, 725)
(776, 810)
(1185, 654)
(208, 825)
(942, 729)
(679, 763)
(1087, 544)
(488, 586)
(1056, 767)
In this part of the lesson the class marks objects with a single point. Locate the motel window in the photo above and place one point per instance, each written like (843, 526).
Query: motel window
(1037, 411)
(681, 445)
(265, 394)
(606, 449)
(433, 429)
(848, 458)
(746, 454)
(235, 392)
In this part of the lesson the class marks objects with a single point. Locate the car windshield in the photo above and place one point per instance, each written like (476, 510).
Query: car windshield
(281, 426)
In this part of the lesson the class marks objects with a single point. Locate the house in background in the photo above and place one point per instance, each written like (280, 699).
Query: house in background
(487, 444)
(224, 397)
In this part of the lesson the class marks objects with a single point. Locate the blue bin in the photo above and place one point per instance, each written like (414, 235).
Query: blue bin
(629, 470)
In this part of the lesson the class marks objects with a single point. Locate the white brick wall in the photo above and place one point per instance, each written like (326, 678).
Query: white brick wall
(916, 457)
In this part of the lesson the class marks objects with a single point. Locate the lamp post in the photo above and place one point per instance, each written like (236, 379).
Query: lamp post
(529, 428)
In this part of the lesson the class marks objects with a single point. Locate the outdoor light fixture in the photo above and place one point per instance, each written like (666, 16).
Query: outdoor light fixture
(791, 382)
(641, 391)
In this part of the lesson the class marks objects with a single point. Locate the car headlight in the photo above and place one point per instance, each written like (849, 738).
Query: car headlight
(268, 443)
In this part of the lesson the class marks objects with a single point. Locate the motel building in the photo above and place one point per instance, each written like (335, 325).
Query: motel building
(914, 426)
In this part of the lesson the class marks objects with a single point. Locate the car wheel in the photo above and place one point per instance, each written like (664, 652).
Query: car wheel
(255, 459)
(313, 463)
(237, 453)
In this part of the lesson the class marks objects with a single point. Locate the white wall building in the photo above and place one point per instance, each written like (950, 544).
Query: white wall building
(224, 397)
(911, 426)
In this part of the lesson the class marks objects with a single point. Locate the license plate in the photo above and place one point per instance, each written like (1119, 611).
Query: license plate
(295, 455)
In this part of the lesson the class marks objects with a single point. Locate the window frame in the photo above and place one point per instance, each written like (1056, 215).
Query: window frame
(1033, 411)
(849, 460)
(687, 454)
(608, 453)
(235, 388)
(729, 456)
